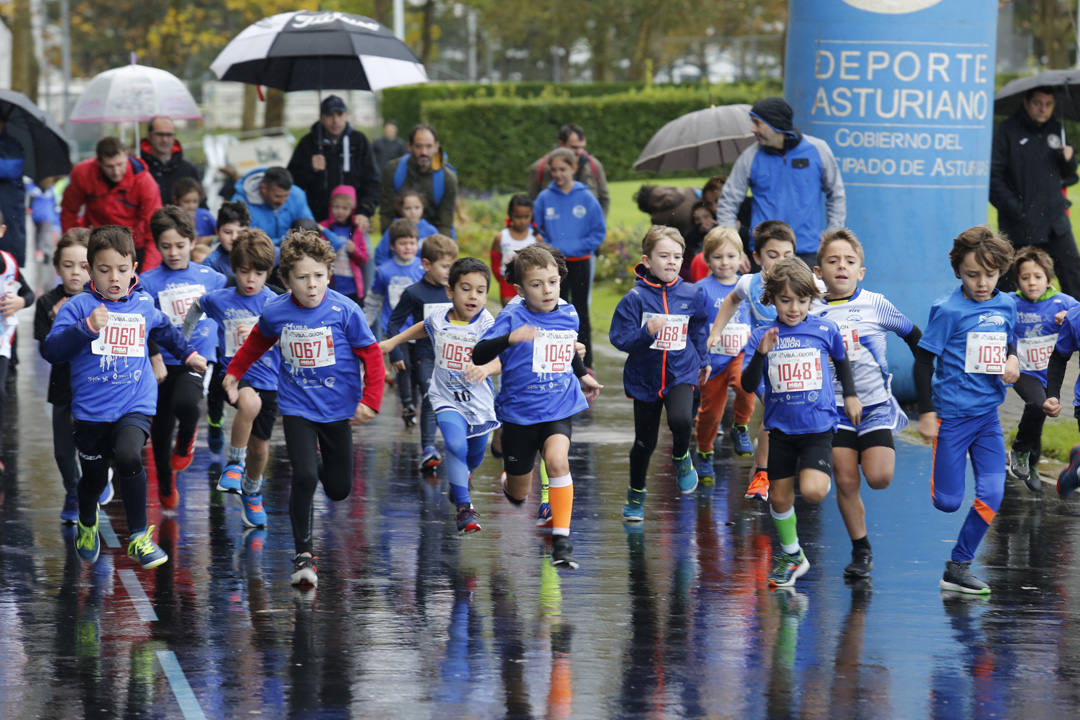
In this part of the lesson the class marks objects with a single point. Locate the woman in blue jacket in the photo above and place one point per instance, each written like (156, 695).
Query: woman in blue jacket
(660, 323)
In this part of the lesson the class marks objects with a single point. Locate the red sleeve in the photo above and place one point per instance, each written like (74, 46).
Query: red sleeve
(252, 349)
(71, 204)
(496, 264)
(698, 268)
(374, 374)
(149, 202)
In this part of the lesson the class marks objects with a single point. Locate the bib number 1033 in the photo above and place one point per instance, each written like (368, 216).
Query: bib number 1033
(986, 353)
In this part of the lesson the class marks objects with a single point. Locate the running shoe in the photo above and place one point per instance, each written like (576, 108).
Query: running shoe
(1018, 465)
(740, 440)
(252, 513)
(170, 500)
(431, 459)
(562, 553)
(685, 475)
(513, 500)
(182, 460)
(305, 574)
(634, 509)
(87, 543)
(543, 515)
(788, 568)
(1034, 480)
(143, 550)
(69, 515)
(703, 463)
(959, 578)
(408, 416)
(759, 486)
(231, 478)
(467, 519)
(106, 495)
(862, 562)
(215, 437)
(1068, 480)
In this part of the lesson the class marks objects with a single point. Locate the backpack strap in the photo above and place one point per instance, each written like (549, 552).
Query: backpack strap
(400, 171)
(438, 181)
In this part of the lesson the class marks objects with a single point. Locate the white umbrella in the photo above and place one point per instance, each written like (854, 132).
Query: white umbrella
(134, 93)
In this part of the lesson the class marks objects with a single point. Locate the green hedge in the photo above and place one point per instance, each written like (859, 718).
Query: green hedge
(492, 141)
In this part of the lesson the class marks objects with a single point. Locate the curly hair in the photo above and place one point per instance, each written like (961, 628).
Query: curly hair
(304, 243)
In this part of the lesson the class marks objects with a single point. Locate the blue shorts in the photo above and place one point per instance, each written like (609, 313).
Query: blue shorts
(887, 415)
(981, 438)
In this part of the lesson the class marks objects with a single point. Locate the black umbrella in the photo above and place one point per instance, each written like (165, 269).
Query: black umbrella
(44, 146)
(1064, 83)
(309, 50)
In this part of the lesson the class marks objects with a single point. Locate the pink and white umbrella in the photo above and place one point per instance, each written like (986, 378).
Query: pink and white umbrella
(134, 93)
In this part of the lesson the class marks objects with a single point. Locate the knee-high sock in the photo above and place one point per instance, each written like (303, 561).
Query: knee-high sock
(453, 428)
(561, 494)
(544, 482)
(786, 530)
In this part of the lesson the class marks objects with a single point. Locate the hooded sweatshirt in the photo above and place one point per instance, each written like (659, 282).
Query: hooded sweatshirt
(573, 222)
(347, 264)
(274, 223)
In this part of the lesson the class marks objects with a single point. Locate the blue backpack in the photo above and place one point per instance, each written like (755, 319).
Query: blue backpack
(438, 178)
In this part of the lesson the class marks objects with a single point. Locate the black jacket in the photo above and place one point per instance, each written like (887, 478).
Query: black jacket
(60, 373)
(362, 174)
(168, 172)
(1027, 172)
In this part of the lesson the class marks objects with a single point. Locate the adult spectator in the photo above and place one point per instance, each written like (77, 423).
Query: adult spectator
(425, 170)
(788, 173)
(333, 154)
(1029, 164)
(161, 152)
(589, 170)
(273, 201)
(12, 195)
(114, 189)
(389, 146)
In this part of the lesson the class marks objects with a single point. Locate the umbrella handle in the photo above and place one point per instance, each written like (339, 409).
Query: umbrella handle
(258, 89)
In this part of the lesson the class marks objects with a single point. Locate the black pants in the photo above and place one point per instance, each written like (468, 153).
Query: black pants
(119, 443)
(303, 438)
(1029, 431)
(575, 290)
(215, 396)
(679, 403)
(67, 459)
(178, 402)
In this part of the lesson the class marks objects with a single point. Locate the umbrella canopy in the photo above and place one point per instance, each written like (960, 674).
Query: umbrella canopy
(308, 50)
(45, 148)
(1066, 85)
(698, 140)
(134, 93)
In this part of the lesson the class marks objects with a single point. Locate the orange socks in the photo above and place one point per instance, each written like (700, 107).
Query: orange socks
(561, 497)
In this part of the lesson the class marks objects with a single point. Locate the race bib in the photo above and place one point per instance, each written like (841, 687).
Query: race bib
(732, 340)
(850, 333)
(233, 337)
(1035, 352)
(986, 352)
(672, 335)
(307, 347)
(553, 351)
(397, 289)
(795, 370)
(176, 300)
(453, 350)
(433, 308)
(124, 335)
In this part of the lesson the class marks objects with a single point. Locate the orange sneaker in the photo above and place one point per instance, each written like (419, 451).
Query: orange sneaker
(759, 486)
(170, 501)
(182, 461)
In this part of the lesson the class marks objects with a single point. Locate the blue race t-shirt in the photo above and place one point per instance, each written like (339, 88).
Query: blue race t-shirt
(320, 377)
(970, 339)
(231, 310)
(735, 333)
(798, 378)
(1037, 330)
(1068, 342)
(174, 291)
(391, 280)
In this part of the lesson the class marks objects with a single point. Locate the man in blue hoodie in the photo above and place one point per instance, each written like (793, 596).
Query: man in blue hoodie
(571, 219)
(273, 201)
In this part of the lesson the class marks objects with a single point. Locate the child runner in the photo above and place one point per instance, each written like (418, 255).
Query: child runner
(792, 357)
(102, 333)
(175, 285)
(461, 394)
(348, 276)
(416, 360)
(1068, 342)
(518, 234)
(773, 241)
(410, 206)
(236, 310)
(571, 219)
(322, 385)
(723, 252)
(864, 318)
(15, 295)
(69, 261)
(1040, 310)
(970, 330)
(535, 340)
(660, 324)
(231, 219)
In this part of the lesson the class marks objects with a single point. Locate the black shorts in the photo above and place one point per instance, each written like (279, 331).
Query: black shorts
(789, 453)
(881, 437)
(520, 443)
(262, 426)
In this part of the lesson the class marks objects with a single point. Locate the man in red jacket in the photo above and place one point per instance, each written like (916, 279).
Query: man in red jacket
(114, 189)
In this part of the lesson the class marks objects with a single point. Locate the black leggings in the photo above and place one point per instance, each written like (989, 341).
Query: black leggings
(67, 460)
(121, 444)
(575, 290)
(303, 439)
(215, 396)
(1029, 431)
(178, 400)
(679, 403)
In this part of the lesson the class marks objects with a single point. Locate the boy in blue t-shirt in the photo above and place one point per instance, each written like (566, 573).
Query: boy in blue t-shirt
(792, 356)
(971, 332)
(393, 276)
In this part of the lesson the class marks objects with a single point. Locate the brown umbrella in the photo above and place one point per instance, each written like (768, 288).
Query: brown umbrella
(701, 139)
